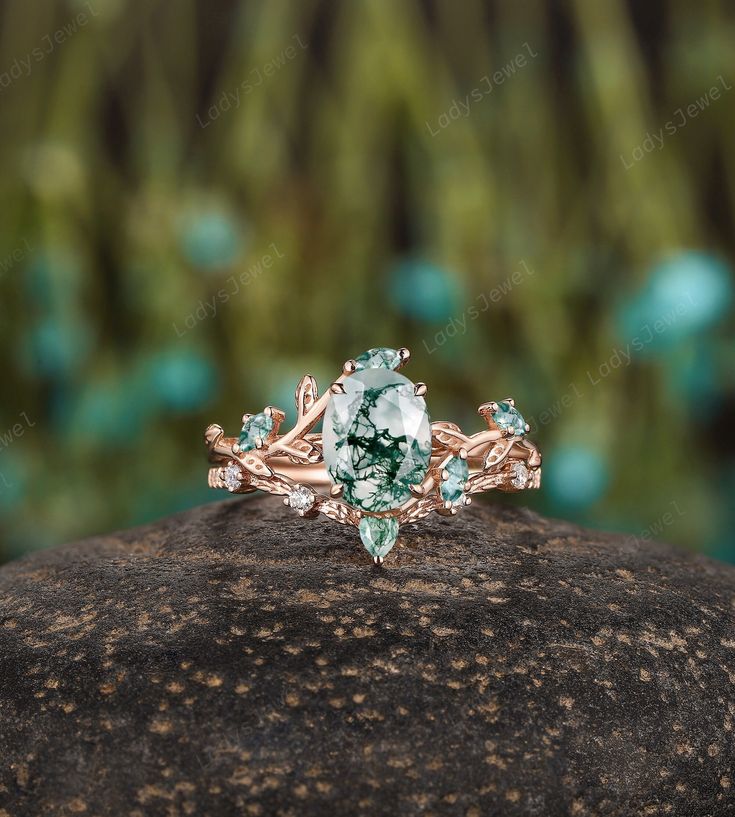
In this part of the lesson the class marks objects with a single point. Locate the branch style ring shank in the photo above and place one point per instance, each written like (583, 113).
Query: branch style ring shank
(379, 463)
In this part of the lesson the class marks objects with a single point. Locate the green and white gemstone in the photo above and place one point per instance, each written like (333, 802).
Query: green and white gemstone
(377, 444)
(378, 535)
(255, 429)
(453, 487)
(379, 358)
(509, 419)
(377, 439)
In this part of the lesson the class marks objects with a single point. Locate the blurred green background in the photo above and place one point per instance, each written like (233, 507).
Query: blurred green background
(201, 201)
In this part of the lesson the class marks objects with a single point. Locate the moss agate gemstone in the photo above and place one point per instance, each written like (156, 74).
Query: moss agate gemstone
(377, 439)
(508, 418)
(452, 489)
(255, 428)
(378, 534)
(380, 358)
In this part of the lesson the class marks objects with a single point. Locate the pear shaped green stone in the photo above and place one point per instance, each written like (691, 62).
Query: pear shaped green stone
(378, 358)
(378, 534)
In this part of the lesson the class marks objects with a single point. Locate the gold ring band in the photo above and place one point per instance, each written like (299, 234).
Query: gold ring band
(379, 462)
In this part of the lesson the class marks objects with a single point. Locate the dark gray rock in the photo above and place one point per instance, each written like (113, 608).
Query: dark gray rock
(236, 660)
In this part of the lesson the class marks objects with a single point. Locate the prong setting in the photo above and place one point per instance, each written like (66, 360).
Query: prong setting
(489, 408)
(453, 463)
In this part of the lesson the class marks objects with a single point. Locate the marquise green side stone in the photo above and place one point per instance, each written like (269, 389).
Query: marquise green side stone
(259, 426)
(378, 534)
(508, 418)
(378, 358)
(452, 488)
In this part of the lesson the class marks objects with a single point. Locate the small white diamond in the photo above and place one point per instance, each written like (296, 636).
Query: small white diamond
(301, 498)
(520, 475)
(233, 477)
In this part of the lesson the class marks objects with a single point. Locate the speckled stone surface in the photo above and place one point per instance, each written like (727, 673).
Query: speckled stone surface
(237, 660)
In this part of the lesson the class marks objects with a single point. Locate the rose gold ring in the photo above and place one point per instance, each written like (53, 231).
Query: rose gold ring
(379, 461)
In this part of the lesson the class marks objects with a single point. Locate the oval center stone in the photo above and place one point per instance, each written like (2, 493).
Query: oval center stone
(377, 439)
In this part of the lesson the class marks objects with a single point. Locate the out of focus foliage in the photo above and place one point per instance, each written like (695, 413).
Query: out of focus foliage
(201, 201)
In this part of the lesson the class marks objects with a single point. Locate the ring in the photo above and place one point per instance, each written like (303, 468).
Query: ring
(379, 462)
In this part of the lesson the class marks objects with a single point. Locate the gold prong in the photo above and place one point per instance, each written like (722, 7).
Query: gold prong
(488, 408)
(510, 401)
(285, 501)
(418, 490)
(467, 486)
(404, 354)
(447, 505)
(337, 388)
(336, 491)
(235, 448)
(274, 413)
(527, 428)
(259, 442)
(419, 389)
(463, 453)
(444, 475)
(378, 560)
(349, 366)
(245, 418)
(467, 500)
(212, 433)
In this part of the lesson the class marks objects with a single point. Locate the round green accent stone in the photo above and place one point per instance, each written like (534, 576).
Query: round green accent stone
(508, 418)
(376, 439)
(259, 426)
(452, 488)
(378, 534)
(379, 358)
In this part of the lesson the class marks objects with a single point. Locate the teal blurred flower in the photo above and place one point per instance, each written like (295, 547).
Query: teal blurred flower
(54, 349)
(183, 379)
(686, 293)
(109, 410)
(575, 476)
(424, 291)
(693, 375)
(210, 239)
(14, 478)
(52, 277)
